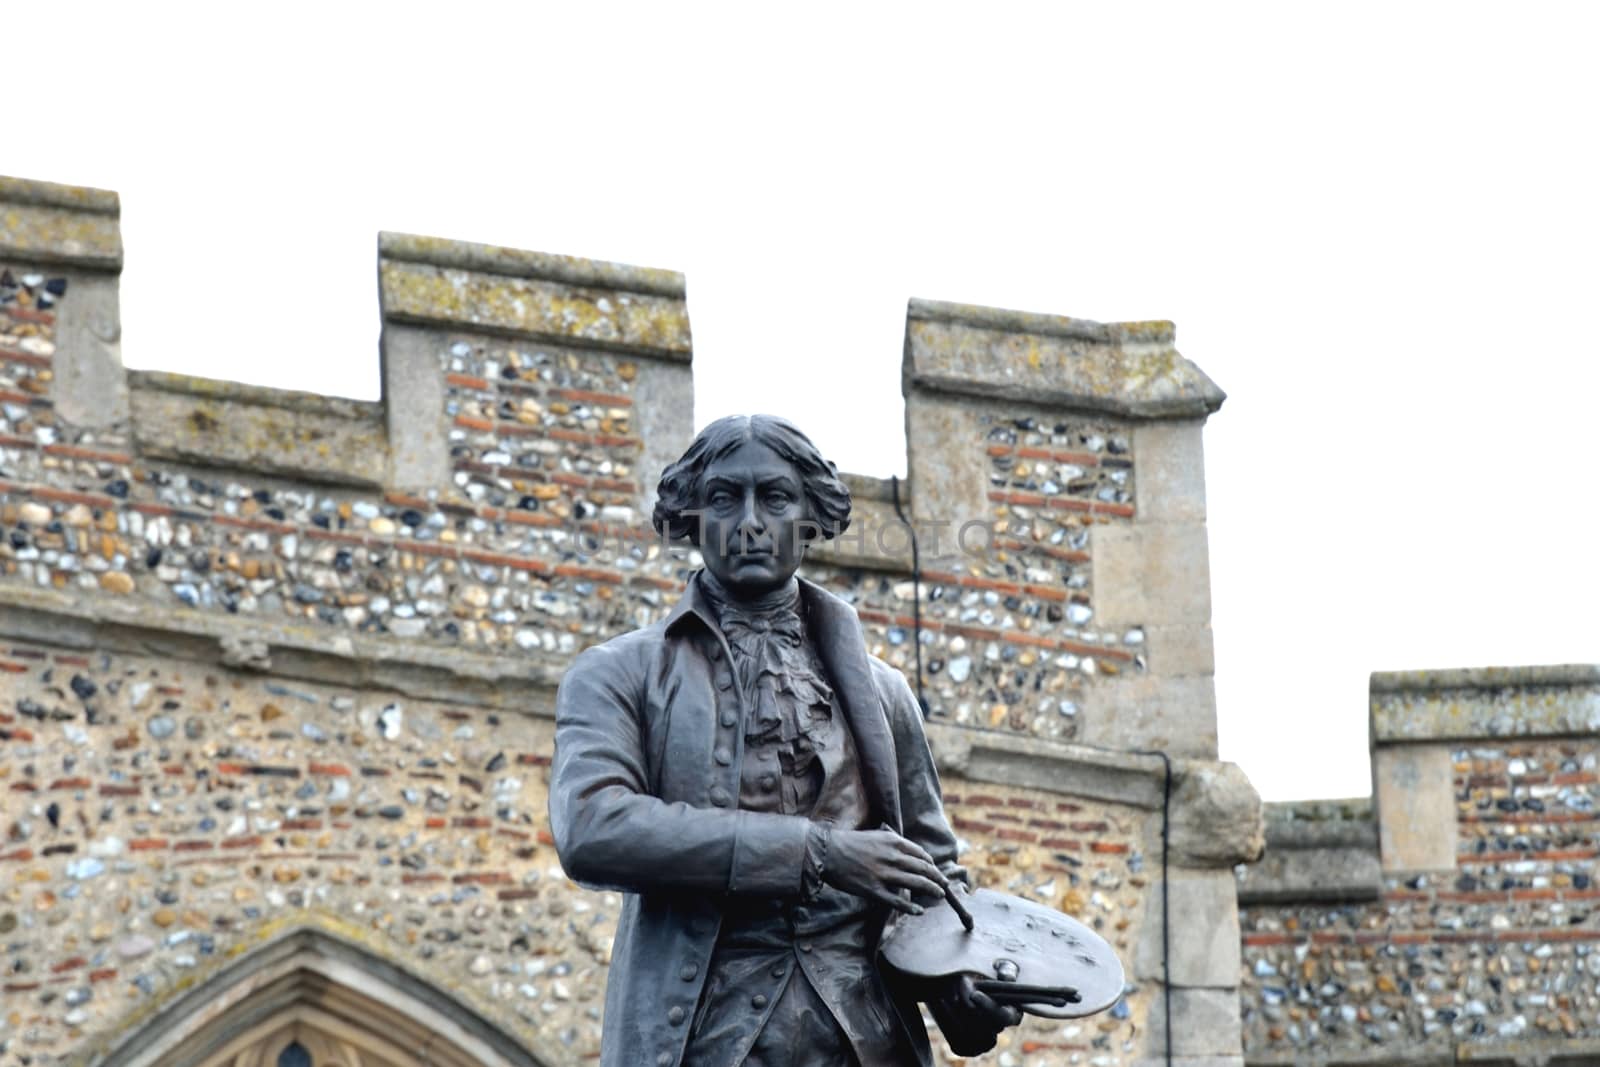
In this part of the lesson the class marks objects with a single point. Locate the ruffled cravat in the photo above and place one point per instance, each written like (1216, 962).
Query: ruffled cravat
(787, 701)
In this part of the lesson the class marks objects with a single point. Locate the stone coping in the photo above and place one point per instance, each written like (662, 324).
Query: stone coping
(59, 225)
(305, 437)
(1317, 824)
(518, 263)
(1484, 703)
(1318, 851)
(867, 487)
(49, 194)
(1051, 766)
(418, 669)
(571, 313)
(1045, 325)
(1338, 810)
(1484, 678)
(1129, 370)
(1292, 877)
(255, 395)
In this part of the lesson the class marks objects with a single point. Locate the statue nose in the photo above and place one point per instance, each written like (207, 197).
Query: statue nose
(750, 520)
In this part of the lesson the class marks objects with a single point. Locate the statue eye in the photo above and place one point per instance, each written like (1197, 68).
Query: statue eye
(720, 498)
(778, 499)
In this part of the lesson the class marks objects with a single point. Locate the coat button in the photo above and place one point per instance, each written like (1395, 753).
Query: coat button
(724, 680)
(720, 797)
(730, 718)
(688, 972)
(675, 1016)
(722, 756)
(758, 1001)
(804, 946)
(779, 970)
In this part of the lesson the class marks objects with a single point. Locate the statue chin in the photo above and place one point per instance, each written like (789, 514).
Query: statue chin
(749, 581)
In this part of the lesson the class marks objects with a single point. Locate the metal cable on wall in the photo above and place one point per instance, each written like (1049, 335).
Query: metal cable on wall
(916, 593)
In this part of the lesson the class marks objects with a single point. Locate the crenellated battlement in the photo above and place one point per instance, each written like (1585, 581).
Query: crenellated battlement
(283, 654)
(1056, 485)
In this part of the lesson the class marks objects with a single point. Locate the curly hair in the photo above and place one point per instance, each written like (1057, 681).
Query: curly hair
(678, 493)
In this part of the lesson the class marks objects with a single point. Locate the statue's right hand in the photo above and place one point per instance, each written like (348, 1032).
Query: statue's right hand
(878, 864)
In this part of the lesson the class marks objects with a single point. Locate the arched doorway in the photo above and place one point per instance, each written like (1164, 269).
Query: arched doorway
(311, 999)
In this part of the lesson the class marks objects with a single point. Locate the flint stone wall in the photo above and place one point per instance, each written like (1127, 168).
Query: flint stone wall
(270, 658)
(1453, 918)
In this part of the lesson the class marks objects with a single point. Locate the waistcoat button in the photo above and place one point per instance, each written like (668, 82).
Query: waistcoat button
(675, 1016)
(688, 972)
(724, 680)
(665, 1059)
(720, 797)
(730, 718)
(723, 756)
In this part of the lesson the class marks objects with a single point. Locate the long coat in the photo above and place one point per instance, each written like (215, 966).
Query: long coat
(644, 799)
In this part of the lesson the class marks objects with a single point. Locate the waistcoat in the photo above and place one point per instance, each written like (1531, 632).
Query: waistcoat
(793, 982)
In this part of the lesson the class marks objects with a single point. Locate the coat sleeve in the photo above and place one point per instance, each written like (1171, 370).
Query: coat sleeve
(921, 801)
(612, 833)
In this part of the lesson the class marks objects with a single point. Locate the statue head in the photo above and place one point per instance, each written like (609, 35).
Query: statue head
(751, 493)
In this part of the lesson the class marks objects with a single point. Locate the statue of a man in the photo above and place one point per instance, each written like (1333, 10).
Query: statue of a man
(761, 789)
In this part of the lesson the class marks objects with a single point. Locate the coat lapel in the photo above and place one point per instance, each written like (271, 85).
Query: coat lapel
(837, 631)
(688, 699)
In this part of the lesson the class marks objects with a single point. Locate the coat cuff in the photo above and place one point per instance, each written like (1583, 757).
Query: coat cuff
(816, 862)
(769, 853)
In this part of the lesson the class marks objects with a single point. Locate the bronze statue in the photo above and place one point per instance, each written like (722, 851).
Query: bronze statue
(761, 789)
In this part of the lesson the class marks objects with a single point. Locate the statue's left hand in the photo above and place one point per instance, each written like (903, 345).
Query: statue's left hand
(970, 1020)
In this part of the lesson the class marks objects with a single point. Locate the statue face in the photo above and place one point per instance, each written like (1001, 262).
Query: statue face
(753, 510)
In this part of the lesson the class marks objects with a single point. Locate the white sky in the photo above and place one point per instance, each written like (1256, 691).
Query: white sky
(1375, 226)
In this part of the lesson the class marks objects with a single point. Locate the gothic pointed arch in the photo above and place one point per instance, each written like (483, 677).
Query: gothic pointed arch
(310, 998)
